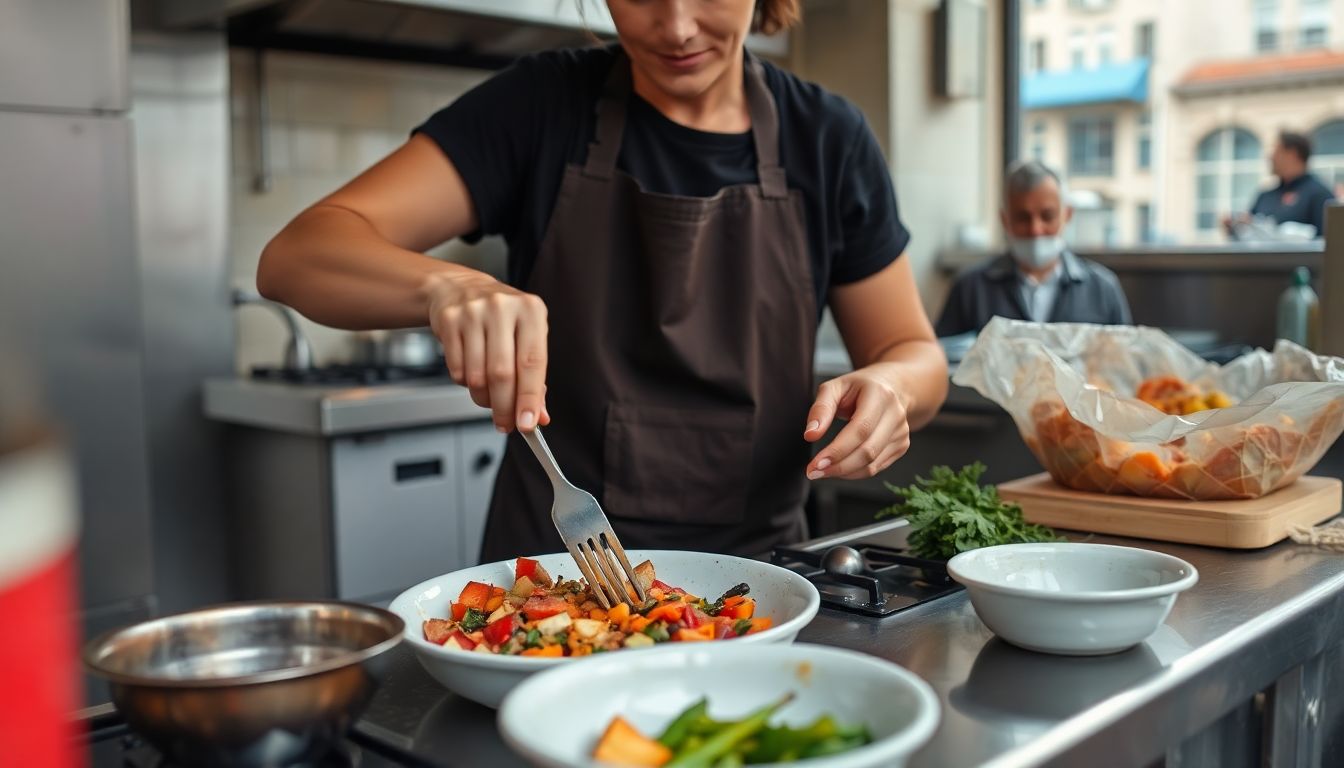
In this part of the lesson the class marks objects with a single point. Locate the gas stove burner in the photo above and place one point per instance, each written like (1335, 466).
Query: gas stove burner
(868, 578)
(136, 753)
(349, 374)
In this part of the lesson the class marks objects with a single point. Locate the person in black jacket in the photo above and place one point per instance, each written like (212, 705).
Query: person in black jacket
(1300, 197)
(1038, 279)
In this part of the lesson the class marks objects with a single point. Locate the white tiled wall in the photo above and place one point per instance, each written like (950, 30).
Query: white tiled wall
(330, 118)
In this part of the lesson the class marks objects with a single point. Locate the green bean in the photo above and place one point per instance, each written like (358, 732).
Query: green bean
(680, 728)
(725, 740)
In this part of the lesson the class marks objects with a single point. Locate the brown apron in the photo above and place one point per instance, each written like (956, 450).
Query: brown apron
(681, 338)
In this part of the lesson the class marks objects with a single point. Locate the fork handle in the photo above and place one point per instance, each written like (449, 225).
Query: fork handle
(538, 445)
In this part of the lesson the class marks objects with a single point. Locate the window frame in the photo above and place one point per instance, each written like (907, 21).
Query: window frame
(1094, 162)
(1224, 169)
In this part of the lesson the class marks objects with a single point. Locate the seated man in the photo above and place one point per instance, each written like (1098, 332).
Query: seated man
(1038, 279)
(1299, 196)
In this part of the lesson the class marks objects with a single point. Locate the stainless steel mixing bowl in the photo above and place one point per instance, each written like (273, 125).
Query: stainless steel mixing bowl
(247, 684)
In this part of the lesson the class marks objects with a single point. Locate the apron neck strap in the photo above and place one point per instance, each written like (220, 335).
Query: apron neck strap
(611, 111)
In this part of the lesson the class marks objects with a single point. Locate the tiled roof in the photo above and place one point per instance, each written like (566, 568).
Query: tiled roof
(1262, 71)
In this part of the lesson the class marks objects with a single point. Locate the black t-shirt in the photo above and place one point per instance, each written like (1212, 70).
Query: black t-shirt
(1301, 200)
(512, 136)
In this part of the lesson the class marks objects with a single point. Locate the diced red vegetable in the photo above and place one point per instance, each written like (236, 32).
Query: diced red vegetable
(475, 595)
(524, 566)
(668, 588)
(542, 607)
(692, 617)
(461, 639)
(459, 611)
(500, 630)
(495, 600)
(723, 628)
(437, 630)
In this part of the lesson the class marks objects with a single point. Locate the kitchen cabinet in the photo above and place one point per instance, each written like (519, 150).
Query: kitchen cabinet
(381, 488)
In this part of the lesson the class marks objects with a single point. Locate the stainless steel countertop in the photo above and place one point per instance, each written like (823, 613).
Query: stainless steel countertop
(1253, 616)
(340, 409)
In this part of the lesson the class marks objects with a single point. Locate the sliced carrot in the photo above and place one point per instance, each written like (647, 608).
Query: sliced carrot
(734, 601)
(666, 612)
(574, 612)
(638, 623)
(619, 614)
(459, 611)
(743, 610)
(493, 603)
(475, 595)
(621, 744)
(760, 625)
(546, 651)
(599, 614)
(704, 632)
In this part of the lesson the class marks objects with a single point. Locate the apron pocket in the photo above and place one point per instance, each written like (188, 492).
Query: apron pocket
(678, 465)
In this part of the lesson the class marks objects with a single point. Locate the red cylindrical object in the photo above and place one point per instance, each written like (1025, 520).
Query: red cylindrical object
(39, 666)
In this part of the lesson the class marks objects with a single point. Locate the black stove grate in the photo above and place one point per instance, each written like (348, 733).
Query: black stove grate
(349, 374)
(891, 580)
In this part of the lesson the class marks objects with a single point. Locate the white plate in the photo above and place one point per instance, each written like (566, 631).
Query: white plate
(555, 719)
(787, 598)
(1074, 599)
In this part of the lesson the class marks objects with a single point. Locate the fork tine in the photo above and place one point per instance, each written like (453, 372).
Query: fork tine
(609, 537)
(576, 552)
(615, 584)
(598, 581)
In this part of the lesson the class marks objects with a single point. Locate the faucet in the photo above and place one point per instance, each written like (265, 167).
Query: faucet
(298, 353)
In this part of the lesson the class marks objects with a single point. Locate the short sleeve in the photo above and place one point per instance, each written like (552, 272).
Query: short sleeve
(490, 134)
(872, 235)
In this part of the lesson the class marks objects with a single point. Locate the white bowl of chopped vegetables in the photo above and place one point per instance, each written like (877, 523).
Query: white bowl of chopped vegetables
(480, 631)
(699, 706)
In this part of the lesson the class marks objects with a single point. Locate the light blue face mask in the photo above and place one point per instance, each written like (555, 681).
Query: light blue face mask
(1036, 252)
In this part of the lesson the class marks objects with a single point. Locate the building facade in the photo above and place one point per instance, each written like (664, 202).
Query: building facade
(1163, 112)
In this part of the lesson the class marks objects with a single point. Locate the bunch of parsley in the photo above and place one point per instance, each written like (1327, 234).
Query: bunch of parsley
(950, 512)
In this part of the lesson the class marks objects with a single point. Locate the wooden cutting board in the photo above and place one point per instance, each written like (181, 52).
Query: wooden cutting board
(1241, 524)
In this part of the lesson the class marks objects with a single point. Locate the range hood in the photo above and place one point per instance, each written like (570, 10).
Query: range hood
(485, 33)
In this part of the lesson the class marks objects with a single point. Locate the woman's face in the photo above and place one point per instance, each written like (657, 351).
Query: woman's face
(682, 46)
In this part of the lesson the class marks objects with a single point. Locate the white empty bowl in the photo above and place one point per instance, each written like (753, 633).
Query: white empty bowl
(787, 598)
(556, 718)
(1073, 599)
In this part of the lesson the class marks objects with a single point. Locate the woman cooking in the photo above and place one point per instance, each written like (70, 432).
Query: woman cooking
(677, 214)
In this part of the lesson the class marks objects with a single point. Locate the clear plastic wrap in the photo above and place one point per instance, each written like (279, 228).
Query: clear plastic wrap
(1070, 387)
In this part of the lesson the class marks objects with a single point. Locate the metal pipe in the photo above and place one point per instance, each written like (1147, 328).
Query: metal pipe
(298, 353)
(1012, 77)
(261, 113)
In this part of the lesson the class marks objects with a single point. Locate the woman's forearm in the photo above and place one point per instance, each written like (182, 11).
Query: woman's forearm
(918, 371)
(333, 266)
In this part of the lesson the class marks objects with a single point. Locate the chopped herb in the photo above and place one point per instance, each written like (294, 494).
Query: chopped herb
(672, 597)
(473, 620)
(658, 631)
(648, 605)
(950, 512)
(533, 639)
(742, 626)
(560, 638)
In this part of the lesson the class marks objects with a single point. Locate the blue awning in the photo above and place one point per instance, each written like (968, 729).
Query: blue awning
(1099, 85)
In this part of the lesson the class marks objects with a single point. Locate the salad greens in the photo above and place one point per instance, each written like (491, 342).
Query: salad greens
(695, 740)
(950, 512)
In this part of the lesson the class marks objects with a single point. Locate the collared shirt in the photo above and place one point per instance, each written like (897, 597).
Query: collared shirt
(1301, 200)
(1038, 296)
(1085, 292)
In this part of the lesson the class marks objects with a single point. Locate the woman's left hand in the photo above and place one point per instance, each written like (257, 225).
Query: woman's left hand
(876, 405)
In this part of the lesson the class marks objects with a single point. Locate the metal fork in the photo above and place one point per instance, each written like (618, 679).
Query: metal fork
(584, 528)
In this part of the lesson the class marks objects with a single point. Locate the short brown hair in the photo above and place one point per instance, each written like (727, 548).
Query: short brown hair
(775, 15)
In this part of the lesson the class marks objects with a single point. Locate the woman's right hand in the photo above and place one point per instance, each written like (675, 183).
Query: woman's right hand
(494, 342)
